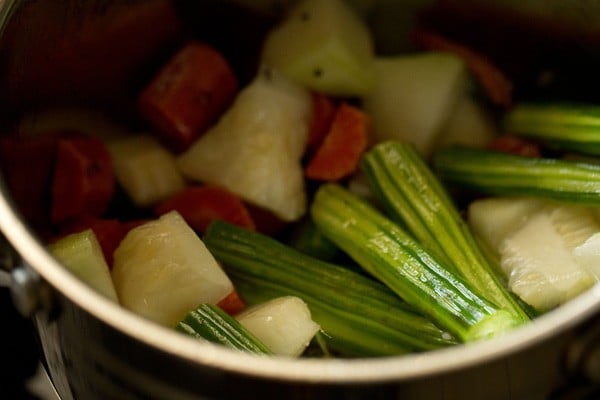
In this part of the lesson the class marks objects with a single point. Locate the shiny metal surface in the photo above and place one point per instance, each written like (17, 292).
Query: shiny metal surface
(97, 350)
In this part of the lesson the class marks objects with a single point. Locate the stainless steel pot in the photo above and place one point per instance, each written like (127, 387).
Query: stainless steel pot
(94, 349)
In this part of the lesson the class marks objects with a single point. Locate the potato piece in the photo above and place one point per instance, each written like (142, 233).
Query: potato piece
(414, 96)
(145, 169)
(255, 150)
(545, 248)
(283, 324)
(162, 270)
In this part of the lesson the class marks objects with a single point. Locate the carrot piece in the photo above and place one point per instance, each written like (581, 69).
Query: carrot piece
(266, 221)
(27, 163)
(516, 145)
(345, 142)
(232, 303)
(323, 112)
(496, 84)
(188, 94)
(199, 205)
(83, 180)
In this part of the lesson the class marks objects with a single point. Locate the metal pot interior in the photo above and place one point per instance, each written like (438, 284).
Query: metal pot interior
(51, 53)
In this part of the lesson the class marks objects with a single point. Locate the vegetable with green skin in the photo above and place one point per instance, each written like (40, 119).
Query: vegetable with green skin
(390, 254)
(361, 317)
(307, 239)
(414, 197)
(211, 323)
(493, 172)
(568, 126)
(325, 46)
(81, 254)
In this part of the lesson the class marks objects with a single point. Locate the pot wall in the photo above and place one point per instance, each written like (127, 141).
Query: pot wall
(89, 360)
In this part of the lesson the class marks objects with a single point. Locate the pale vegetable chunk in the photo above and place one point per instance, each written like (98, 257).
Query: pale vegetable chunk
(541, 267)
(414, 96)
(324, 45)
(588, 255)
(255, 150)
(145, 169)
(469, 124)
(162, 270)
(545, 248)
(284, 324)
(81, 254)
(495, 218)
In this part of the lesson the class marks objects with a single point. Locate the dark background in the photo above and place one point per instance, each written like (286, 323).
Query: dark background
(20, 356)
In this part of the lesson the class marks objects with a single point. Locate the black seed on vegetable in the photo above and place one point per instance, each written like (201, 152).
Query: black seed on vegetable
(318, 72)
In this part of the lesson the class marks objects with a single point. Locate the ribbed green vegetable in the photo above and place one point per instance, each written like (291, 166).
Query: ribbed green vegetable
(395, 258)
(499, 173)
(211, 323)
(568, 126)
(307, 239)
(414, 197)
(360, 316)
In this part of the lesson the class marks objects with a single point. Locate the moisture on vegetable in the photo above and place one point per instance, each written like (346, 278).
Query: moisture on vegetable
(419, 277)
(414, 197)
(359, 316)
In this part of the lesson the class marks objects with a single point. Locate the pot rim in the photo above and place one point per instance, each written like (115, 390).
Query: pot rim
(305, 370)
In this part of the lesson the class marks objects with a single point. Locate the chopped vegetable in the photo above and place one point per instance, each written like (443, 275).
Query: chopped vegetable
(324, 109)
(339, 154)
(232, 303)
(414, 96)
(586, 254)
(568, 126)
(28, 165)
(145, 169)
(188, 94)
(81, 254)
(516, 145)
(109, 232)
(256, 148)
(537, 242)
(209, 322)
(162, 270)
(359, 315)
(88, 121)
(283, 324)
(325, 46)
(415, 199)
(495, 172)
(469, 124)
(383, 249)
(308, 239)
(83, 182)
(508, 214)
(200, 204)
(494, 81)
